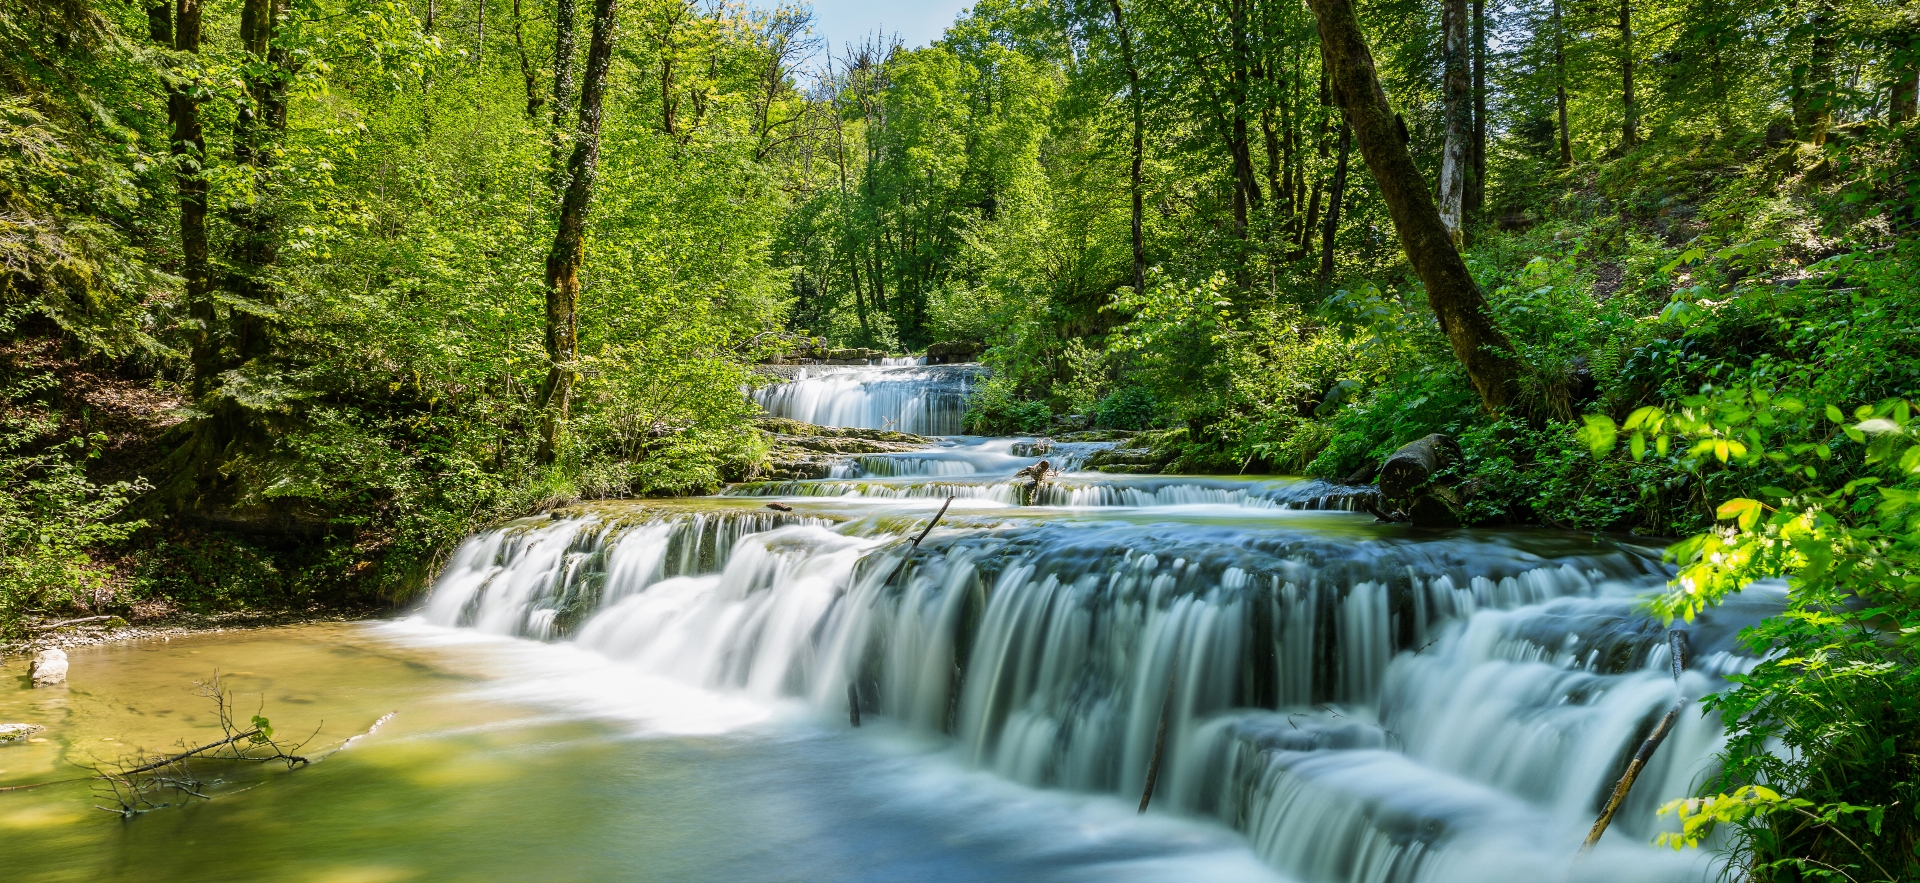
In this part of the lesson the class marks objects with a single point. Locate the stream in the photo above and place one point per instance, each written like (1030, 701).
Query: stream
(660, 691)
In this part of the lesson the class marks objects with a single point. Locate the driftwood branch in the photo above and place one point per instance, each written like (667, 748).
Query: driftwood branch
(47, 627)
(1159, 746)
(916, 541)
(1677, 640)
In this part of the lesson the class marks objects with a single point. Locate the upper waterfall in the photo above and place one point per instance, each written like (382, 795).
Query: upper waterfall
(921, 399)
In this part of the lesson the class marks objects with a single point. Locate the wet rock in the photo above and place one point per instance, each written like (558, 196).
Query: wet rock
(11, 733)
(954, 352)
(49, 667)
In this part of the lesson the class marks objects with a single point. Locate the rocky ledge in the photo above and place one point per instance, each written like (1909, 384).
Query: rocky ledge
(799, 450)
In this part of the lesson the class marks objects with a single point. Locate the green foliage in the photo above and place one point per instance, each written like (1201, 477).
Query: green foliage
(1836, 685)
(53, 519)
(995, 408)
(1130, 407)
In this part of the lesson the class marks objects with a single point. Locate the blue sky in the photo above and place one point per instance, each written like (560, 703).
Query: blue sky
(918, 22)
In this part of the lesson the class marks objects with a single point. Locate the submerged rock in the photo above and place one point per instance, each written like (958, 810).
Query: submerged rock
(49, 667)
(10, 733)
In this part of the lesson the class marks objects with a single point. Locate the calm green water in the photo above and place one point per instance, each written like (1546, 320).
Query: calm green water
(508, 761)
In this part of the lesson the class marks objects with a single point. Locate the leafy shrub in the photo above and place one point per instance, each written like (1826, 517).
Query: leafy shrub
(53, 519)
(1129, 407)
(995, 409)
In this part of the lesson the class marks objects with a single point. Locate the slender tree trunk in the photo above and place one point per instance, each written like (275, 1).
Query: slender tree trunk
(1319, 181)
(1630, 127)
(564, 14)
(534, 98)
(1456, 154)
(261, 118)
(1134, 100)
(1560, 86)
(189, 148)
(160, 23)
(1456, 300)
(1477, 184)
(1902, 96)
(1334, 200)
(570, 239)
(1246, 193)
(1818, 98)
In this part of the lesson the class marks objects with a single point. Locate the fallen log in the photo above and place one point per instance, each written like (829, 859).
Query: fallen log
(1414, 466)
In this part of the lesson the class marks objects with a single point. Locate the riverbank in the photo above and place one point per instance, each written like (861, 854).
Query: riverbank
(103, 630)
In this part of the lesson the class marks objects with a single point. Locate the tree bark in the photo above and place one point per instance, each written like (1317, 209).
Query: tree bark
(1139, 145)
(1455, 155)
(534, 98)
(189, 149)
(1902, 95)
(160, 23)
(257, 125)
(1334, 198)
(570, 238)
(1456, 300)
(1560, 86)
(1246, 197)
(1818, 100)
(1477, 183)
(1320, 146)
(565, 11)
(1630, 127)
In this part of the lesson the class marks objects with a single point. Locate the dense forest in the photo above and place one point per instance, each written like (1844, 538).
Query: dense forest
(298, 292)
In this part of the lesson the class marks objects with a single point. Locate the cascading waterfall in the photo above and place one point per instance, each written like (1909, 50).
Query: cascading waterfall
(921, 399)
(1364, 702)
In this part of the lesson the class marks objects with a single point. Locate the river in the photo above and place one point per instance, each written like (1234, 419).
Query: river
(660, 690)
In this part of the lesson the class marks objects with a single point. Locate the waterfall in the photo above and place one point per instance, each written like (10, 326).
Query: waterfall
(921, 399)
(1363, 702)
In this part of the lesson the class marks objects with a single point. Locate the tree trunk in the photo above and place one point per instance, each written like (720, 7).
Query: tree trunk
(1902, 96)
(1477, 183)
(570, 239)
(1630, 127)
(1818, 98)
(565, 11)
(534, 98)
(1560, 86)
(1334, 198)
(1455, 156)
(1320, 146)
(189, 150)
(1246, 196)
(160, 23)
(260, 120)
(1456, 300)
(1134, 99)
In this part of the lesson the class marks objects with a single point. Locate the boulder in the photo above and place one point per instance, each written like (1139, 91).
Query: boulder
(49, 667)
(10, 733)
(954, 352)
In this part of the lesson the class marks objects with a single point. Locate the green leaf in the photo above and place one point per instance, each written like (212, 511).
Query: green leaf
(1599, 434)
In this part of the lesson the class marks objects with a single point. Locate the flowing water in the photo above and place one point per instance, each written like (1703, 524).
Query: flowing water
(921, 399)
(663, 688)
